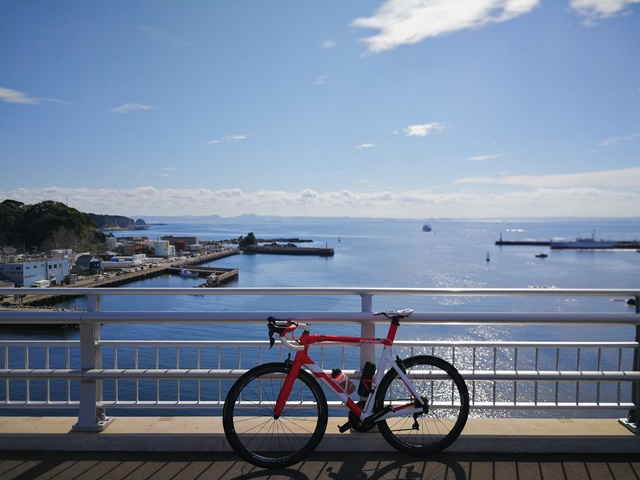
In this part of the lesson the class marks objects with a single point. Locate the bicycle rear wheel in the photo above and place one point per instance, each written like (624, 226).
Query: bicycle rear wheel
(447, 397)
(252, 430)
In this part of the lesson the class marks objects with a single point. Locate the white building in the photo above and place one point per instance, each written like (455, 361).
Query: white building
(125, 261)
(29, 271)
(112, 242)
(164, 249)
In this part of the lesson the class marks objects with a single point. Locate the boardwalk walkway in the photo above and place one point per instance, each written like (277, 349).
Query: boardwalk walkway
(347, 466)
(189, 448)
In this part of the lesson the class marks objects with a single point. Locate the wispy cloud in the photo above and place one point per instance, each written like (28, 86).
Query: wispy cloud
(228, 139)
(166, 172)
(327, 44)
(614, 140)
(592, 10)
(628, 177)
(131, 107)
(484, 158)
(321, 80)
(158, 35)
(424, 129)
(148, 200)
(365, 145)
(402, 22)
(14, 96)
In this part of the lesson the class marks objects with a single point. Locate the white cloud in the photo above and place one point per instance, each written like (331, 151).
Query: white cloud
(628, 177)
(228, 139)
(593, 10)
(365, 145)
(402, 22)
(321, 80)
(14, 96)
(130, 107)
(538, 202)
(328, 44)
(424, 129)
(614, 140)
(483, 158)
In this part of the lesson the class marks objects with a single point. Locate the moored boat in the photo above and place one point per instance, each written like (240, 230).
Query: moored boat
(585, 243)
(187, 273)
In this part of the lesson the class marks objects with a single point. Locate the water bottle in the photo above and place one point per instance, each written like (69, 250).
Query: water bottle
(343, 381)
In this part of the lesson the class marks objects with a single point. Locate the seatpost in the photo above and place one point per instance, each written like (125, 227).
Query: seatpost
(367, 330)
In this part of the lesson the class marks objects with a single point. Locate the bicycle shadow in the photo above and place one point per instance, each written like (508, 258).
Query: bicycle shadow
(365, 466)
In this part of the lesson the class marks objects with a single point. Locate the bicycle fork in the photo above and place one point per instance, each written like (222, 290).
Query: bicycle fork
(287, 386)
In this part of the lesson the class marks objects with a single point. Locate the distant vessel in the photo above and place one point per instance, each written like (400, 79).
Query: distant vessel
(541, 255)
(584, 243)
(426, 227)
(188, 273)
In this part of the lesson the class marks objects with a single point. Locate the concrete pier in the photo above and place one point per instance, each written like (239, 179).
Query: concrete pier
(289, 250)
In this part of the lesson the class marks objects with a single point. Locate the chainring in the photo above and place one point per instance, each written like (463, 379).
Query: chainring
(357, 424)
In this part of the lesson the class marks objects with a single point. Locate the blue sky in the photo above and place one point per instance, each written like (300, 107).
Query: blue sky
(397, 108)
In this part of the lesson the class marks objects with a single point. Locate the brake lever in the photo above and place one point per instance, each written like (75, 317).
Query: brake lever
(273, 328)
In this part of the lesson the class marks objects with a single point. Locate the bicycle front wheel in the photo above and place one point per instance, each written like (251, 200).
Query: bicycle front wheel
(439, 424)
(252, 430)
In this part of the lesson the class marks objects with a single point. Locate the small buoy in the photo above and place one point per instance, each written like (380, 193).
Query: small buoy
(488, 259)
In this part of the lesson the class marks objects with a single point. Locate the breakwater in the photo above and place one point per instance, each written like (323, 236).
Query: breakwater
(215, 276)
(613, 245)
(288, 250)
(523, 242)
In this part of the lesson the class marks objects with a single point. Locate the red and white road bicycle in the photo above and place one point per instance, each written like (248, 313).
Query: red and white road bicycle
(276, 413)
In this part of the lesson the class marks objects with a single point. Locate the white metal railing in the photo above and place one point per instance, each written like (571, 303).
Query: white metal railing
(91, 374)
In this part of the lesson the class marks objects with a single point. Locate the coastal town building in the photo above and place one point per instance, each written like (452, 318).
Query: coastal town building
(112, 243)
(126, 261)
(35, 271)
(187, 240)
(86, 264)
(183, 243)
(164, 249)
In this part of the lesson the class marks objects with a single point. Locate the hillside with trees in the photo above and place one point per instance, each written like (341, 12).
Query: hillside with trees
(112, 222)
(47, 225)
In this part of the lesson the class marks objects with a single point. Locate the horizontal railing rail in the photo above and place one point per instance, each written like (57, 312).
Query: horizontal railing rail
(91, 373)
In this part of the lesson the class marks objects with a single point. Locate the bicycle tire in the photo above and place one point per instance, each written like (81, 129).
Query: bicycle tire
(444, 389)
(250, 426)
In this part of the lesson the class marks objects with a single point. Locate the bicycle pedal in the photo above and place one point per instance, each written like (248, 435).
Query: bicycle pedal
(345, 427)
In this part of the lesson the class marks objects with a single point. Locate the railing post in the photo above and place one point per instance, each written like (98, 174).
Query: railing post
(635, 388)
(91, 416)
(367, 352)
(632, 422)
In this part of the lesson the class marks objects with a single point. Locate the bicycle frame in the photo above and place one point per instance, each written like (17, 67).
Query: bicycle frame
(302, 359)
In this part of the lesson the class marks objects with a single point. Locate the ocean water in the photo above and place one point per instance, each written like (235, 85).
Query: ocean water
(398, 253)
